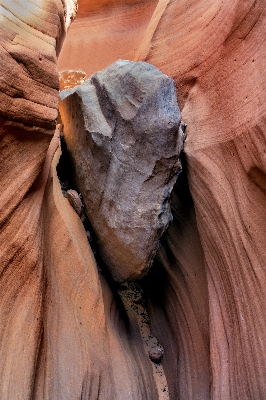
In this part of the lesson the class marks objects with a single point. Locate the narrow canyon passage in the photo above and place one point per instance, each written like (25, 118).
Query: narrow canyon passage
(66, 331)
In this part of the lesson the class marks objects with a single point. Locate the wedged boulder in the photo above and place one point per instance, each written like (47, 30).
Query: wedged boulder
(122, 131)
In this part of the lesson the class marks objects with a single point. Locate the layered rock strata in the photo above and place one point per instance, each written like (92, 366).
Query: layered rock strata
(64, 333)
(216, 54)
(31, 38)
(122, 131)
(105, 31)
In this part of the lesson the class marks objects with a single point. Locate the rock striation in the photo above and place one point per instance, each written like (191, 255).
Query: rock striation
(122, 130)
(64, 332)
(104, 32)
(214, 260)
(31, 38)
(61, 334)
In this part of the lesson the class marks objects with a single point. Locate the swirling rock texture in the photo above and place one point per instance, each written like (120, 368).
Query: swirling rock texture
(105, 31)
(122, 131)
(31, 35)
(64, 332)
(216, 56)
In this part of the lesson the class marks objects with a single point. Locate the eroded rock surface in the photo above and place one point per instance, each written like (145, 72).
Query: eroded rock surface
(104, 32)
(215, 54)
(122, 131)
(31, 38)
(70, 78)
(31, 34)
(63, 333)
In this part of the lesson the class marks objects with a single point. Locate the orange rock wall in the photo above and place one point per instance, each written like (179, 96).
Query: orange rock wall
(104, 32)
(88, 349)
(64, 332)
(216, 55)
(31, 34)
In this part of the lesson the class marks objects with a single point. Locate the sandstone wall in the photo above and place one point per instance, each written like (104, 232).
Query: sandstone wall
(64, 332)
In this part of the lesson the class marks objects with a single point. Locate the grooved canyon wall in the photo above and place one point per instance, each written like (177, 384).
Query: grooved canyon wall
(66, 331)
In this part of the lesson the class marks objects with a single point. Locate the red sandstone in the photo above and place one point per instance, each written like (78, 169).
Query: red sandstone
(62, 333)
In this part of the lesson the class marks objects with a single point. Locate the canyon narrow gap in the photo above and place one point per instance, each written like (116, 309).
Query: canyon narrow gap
(80, 316)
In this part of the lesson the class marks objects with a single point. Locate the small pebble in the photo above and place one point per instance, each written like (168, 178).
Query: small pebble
(75, 201)
(65, 185)
(156, 354)
(124, 286)
(138, 298)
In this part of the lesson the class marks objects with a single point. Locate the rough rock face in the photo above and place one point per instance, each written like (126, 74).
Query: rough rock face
(122, 131)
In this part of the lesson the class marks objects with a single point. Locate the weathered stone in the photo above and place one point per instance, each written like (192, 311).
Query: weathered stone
(156, 354)
(122, 131)
(75, 201)
(70, 78)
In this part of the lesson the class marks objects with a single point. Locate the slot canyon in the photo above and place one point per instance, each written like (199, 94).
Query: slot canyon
(133, 199)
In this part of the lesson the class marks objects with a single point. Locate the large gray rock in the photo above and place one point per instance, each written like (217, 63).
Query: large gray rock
(122, 129)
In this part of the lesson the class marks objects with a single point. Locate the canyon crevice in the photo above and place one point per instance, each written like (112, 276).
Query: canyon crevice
(67, 332)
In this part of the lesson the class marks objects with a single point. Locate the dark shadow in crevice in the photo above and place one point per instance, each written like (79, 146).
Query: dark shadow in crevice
(155, 283)
(67, 181)
(64, 168)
